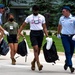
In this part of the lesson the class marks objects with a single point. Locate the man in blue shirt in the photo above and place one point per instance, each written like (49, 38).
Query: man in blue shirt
(1, 12)
(67, 29)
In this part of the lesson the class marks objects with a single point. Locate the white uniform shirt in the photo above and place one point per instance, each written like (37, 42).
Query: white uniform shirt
(0, 18)
(35, 21)
(68, 24)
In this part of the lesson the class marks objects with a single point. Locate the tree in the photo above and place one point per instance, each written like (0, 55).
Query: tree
(70, 3)
(51, 7)
(5, 2)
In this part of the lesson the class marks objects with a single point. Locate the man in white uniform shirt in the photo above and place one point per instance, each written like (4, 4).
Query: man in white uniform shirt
(37, 27)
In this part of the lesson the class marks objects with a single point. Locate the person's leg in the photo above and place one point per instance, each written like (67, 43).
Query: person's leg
(72, 46)
(35, 48)
(39, 49)
(1, 38)
(15, 48)
(36, 56)
(72, 52)
(12, 53)
(35, 44)
(33, 64)
(67, 48)
(11, 50)
(39, 40)
(15, 45)
(66, 45)
(1, 34)
(10, 40)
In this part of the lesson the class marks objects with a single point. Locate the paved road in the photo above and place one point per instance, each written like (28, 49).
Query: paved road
(24, 68)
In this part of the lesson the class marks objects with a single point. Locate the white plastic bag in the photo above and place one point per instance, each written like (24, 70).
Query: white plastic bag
(73, 38)
(49, 43)
(6, 33)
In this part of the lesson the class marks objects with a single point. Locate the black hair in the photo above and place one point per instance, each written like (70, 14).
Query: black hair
(35, 7)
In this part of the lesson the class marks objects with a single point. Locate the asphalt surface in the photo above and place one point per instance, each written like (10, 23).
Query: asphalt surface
(24, 68)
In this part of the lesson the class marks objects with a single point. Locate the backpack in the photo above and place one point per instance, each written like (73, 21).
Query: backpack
(22, 49)
(4, 47)
(51, 54)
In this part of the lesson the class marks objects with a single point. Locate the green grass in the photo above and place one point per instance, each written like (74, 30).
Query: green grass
(56, 40)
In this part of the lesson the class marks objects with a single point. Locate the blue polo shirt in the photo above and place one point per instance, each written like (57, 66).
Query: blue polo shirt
(68, 24)
(0, 19)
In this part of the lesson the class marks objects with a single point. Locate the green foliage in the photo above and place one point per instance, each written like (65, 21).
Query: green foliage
(53, 28)
(53, 7)
(44, 5)
(70, 3)
(27, 12)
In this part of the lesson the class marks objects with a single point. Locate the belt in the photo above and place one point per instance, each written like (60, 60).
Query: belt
(68, 34)
(36, 30)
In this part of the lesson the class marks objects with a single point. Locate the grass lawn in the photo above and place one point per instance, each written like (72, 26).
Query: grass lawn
(57, 42)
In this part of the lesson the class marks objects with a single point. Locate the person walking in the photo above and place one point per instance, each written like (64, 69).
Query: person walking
(1, 13)
(12, 27)
(66, 27)
(37, 26)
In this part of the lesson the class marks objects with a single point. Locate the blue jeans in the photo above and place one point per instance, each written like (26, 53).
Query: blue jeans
(68, 45)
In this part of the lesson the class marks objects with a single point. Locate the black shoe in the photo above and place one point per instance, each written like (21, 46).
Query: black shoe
(71, 69)
(65, 67)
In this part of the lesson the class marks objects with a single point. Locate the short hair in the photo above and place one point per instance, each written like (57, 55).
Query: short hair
(35, 7)
(66, 7)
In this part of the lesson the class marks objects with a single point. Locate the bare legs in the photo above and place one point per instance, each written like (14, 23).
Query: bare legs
(36, 58)
(13, 47)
